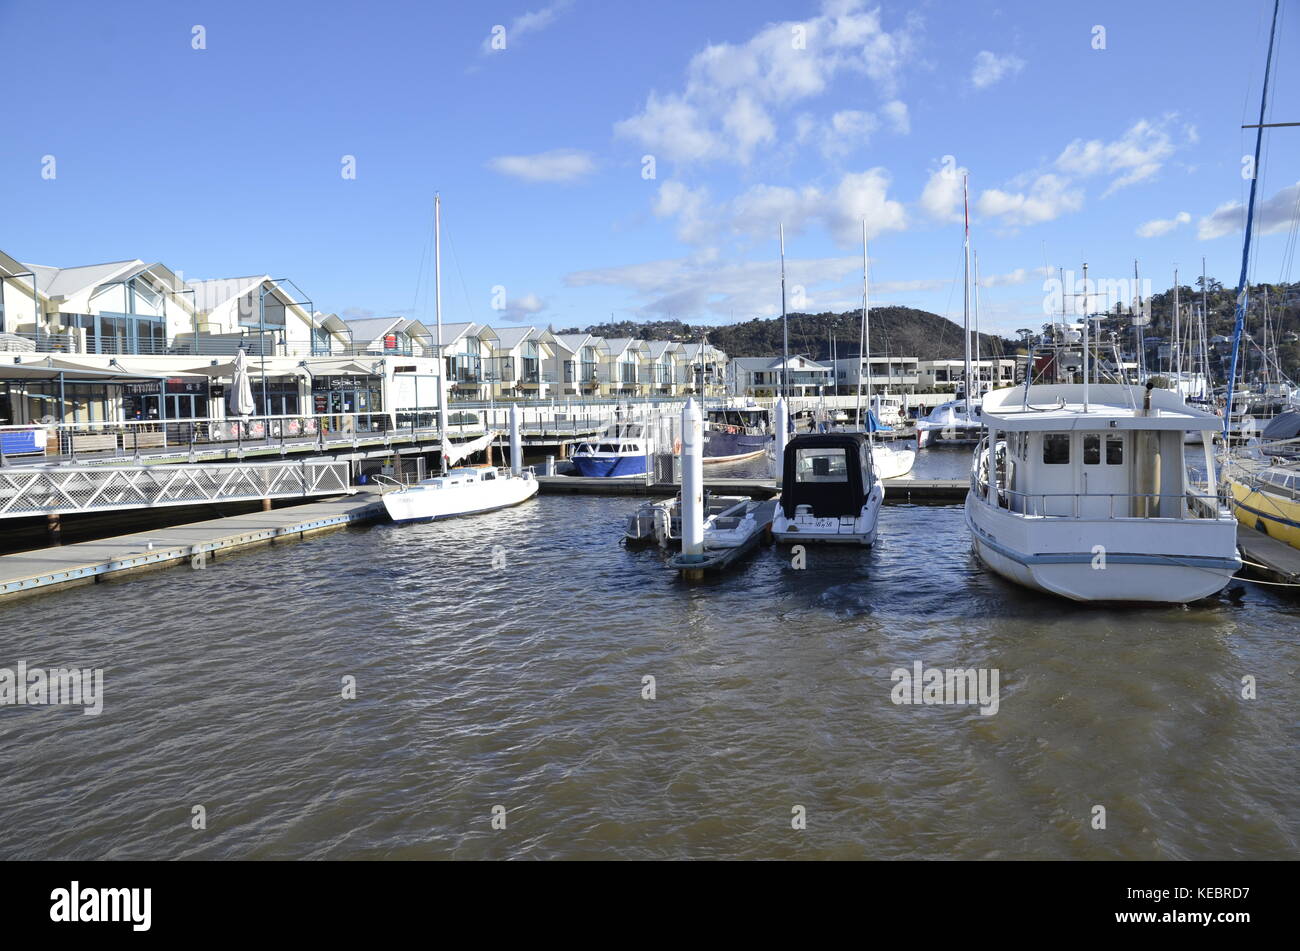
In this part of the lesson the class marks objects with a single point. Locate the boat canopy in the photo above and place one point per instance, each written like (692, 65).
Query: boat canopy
(1060, 406)
(1283, 426)
(828, 472)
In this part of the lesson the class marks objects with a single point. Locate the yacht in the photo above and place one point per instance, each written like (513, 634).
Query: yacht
(1082, 491)
(829, 490)
(622, 449)
(465, 490)
(950, 422)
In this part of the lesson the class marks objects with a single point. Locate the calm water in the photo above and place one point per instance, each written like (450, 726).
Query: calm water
(520, 685)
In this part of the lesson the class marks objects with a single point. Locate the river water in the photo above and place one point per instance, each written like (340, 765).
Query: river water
(499, 662)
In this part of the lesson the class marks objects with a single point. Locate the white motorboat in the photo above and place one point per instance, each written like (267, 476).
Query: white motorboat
(1087, 495)
(949, 422)
(466, 490)
(829, 490)
(891, 462)
(729, 522)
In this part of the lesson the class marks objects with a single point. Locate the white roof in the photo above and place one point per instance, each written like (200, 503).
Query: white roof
(1110, 406)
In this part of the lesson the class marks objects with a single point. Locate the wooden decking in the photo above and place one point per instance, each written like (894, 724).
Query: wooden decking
(47, 569)
(896, 490)
(1268, 557)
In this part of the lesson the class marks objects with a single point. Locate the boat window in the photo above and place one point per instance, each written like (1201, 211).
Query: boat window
(489, 475)
(1114, 451)
(821, 465)
(1056, 449)
(607, 447)
(1091, 449)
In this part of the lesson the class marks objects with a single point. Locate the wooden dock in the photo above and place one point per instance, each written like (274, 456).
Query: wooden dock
(896, 490)
(48, 569)
(1268, 558)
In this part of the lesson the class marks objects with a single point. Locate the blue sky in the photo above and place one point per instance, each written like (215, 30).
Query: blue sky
(228, 160)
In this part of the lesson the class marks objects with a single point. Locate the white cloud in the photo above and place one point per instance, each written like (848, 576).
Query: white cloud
(689, 288)
(1018, 276)
(687, 205)
(1272, 215)
(990, 68)
(725, 109)
(531, 22)
(557, 165)
(758, 211)
(1135, 156)
(522, 308)
(846, 132)
(1160, 226)
(941, 198)
(896, 112)
(1047, 198)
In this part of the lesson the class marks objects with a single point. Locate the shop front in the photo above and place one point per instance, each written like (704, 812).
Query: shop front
(349, 403)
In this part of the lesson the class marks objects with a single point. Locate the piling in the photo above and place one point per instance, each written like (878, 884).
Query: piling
(516, 443)
(692, 488)
(782, 423)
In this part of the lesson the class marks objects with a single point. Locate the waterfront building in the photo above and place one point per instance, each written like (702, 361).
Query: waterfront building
(763, 376)
(524, 363)
(895, 374)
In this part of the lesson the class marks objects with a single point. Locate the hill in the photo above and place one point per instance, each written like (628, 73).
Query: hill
(895, 331)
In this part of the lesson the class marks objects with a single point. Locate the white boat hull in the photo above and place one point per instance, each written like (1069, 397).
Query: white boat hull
(424, 503)
(1140, 560)
(890, 463)
(845, 530)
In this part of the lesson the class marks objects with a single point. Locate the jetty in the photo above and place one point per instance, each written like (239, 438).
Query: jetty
(896, 490)
(1268, 558)
(193, 544)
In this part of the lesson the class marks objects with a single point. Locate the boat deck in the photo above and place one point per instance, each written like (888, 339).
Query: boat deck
(88, 562)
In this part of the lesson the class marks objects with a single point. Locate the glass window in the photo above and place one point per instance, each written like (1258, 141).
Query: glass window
(1056, 449)
(1114, 451)
(1091, 449)
(821, 465)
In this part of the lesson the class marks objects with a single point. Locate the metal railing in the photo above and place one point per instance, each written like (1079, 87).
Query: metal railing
(1101, 506)
(68, 489)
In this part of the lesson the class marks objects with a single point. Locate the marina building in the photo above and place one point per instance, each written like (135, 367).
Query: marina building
(765, 376)
(897, 374)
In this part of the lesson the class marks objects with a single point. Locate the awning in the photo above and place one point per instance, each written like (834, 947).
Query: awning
(72, 372)
(228, 369)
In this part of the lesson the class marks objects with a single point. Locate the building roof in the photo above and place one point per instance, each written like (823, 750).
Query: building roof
(67, 281)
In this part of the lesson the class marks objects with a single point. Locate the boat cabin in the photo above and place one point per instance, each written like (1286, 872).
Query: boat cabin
(830, 474)
(749, 420)
(1120, 455)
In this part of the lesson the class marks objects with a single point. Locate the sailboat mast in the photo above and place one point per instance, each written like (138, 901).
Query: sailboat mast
(785, 323)
(1176, 354)
(1138, 317)
(864, 334)
(1239, 318)
(1205, 334)
(976, 255)
(965, 290)
(437, 312)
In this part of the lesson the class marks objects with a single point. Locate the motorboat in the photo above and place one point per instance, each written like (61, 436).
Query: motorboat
(735, 433)
(830, 491)
(950, 422)
(1083, 491)
(465, 490)
(622, 449)
(729, 521)
(1266, 498)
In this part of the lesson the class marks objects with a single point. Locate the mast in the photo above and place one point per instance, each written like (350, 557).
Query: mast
(976, 255)
(1139, 319)
(965, 288)
(1176, 354)
(1086, 344)
(1239, 318)
(437, 311)
(785, 323)
(864, 334)
(1205, 334)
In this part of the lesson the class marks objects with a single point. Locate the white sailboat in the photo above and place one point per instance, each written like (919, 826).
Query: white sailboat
(888, 462)
(462, 490)
(956, 420)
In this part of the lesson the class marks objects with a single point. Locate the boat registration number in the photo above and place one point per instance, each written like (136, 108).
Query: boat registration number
(821, 524)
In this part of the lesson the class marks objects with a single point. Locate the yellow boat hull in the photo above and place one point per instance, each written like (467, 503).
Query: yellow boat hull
(1265, 511)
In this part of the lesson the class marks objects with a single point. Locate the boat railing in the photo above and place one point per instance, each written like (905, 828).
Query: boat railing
(386, 483)
(1094, 506)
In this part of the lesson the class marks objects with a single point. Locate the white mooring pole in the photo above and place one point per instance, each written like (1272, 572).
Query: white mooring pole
(692, 481)
(516, 443)
(782, 423)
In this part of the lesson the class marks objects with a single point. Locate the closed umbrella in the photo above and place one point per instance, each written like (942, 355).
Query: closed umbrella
(241, 388)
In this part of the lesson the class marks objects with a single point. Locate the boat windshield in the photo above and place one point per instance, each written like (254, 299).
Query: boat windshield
(821, 465)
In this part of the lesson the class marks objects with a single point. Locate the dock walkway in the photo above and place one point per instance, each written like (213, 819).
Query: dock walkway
(1274, 560)
(896, 490)
(47, 569)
